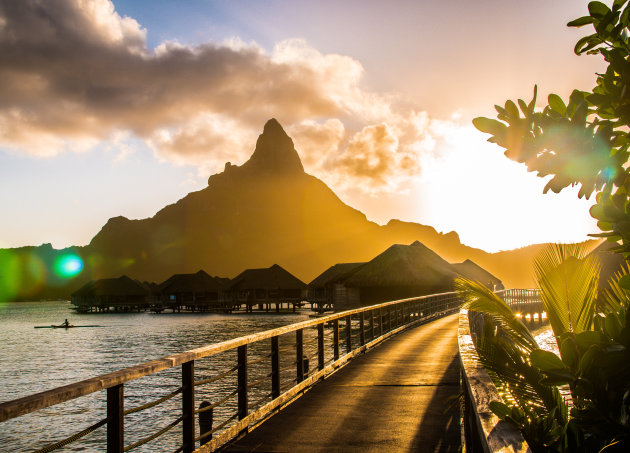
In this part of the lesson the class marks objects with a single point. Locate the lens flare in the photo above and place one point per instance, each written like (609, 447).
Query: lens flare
(68, 266)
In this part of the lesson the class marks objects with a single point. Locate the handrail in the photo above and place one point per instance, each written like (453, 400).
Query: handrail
(370, 324)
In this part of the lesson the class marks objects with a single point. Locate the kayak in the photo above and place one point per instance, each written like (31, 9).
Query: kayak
(63, 326)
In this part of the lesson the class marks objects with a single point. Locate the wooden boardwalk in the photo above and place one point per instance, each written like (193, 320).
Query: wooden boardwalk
(392, 399)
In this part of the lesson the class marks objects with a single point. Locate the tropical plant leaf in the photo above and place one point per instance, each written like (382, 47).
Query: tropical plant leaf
(479, 298)
(615, 296)
(567, 277)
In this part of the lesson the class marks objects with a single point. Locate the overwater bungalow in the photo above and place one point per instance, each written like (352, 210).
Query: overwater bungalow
(328, 288)
(399, 272)
(471, 270)
(266, 287)
(112, 294)
(191, 292)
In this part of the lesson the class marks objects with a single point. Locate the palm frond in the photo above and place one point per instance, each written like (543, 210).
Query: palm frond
(517, 379)
(614, 297)
(567, 277)
(477, 297)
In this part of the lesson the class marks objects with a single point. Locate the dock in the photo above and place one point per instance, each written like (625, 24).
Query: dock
(392, 398)
(379, 378)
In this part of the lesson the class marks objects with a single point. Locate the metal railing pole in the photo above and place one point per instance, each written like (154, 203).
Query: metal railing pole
(188, 406)
(275, 367)
(299, 355)
(242, 382)
(115, 419)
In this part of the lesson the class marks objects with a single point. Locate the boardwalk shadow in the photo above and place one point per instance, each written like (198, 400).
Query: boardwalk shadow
(440, 422)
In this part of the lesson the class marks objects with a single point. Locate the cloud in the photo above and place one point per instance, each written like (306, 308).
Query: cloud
(74, 73)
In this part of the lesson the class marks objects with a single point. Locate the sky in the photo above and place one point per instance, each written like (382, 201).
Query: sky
(121, 108)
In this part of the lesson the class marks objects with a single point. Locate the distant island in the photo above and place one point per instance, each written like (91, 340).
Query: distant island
(265, 211)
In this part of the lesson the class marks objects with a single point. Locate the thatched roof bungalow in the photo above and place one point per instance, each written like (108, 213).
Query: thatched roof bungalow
(120, 293)
(327, 287)
(473, 271)
(195, 290)
(267, 285)
(399, 272)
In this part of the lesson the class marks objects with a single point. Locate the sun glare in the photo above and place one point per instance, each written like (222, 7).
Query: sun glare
(68, 266)
(468, 186)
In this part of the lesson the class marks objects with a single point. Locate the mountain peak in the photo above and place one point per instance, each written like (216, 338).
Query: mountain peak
(274, 153)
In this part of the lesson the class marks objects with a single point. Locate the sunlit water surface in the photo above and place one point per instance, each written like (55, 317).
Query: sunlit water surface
(34, 360)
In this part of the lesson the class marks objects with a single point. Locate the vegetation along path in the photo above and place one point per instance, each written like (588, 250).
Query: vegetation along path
(394, 398)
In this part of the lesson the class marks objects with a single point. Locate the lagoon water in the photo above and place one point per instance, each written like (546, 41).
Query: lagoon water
(34, 360)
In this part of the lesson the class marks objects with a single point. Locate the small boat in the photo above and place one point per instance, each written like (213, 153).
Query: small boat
(52, 326)
(64, 325)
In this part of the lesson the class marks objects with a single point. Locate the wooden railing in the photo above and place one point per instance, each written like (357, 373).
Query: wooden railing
(483, 430)
(267, 371)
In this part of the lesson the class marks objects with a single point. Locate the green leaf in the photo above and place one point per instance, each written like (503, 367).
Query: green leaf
(523, 106)
(586, 43)
(532, 103)
(489, 126)
(546, 360)
(558, 377)
(584, 20)
(612, 325)
(569, 352)
(511, 108)
(597, 212)
(598, 9)
(587, 339)
(557, 104)
(588, 359)
(500, 409)
(624, 282)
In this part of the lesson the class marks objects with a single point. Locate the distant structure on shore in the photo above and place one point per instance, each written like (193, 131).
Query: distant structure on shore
(399, 272)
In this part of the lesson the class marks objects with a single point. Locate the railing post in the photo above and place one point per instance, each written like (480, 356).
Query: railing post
(299, 355)
(188, 406)
(380, 322)
(321, 360)
(362, 328)
(336, 339)
(348, 334)
(115, 419)
(275, 367)
(371, 325)
(389, 320)
(242, 382)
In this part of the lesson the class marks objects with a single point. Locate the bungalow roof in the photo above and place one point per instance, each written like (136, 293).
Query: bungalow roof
(197, 282)
(274, 277)
(338, 272)
(121, 286)
(405, 265)
(473, 271)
